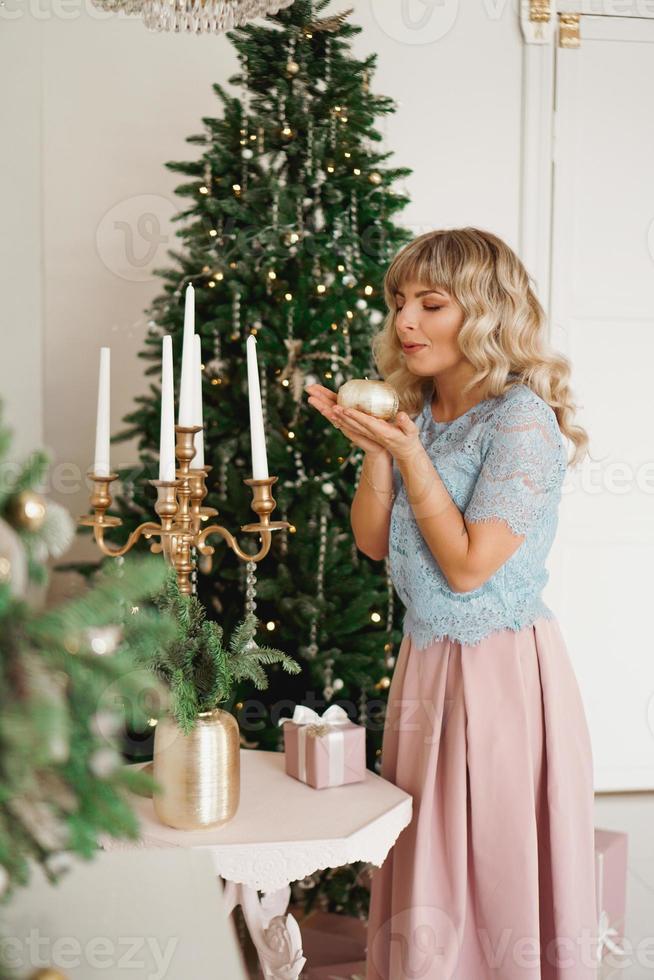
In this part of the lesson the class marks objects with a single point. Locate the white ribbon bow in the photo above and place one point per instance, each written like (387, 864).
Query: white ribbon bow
(605, 937)
(326, 724)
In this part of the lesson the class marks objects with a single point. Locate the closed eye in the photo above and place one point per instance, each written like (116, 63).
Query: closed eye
(398, 308)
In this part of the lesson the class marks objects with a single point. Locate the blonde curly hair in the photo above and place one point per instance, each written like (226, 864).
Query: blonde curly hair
(503, 331)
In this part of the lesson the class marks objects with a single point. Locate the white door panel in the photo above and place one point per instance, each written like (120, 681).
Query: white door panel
(602, 314)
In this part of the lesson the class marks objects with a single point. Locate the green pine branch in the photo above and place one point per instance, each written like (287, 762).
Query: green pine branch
(195, 664)
(62, 778)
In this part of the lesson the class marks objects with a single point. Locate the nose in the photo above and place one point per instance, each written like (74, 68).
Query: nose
(405, 325)
(404, 320)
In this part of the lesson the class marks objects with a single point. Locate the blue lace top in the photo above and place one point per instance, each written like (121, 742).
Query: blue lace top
(504, 458)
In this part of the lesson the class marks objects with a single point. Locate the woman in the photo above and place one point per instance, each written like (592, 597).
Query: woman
(485, 726)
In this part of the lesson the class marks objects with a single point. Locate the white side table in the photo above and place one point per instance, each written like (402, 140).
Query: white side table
(283, 831)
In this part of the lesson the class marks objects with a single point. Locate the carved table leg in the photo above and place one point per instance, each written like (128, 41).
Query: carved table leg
(275, 934)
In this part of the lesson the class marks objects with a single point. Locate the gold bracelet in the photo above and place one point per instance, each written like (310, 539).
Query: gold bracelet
(371, 484)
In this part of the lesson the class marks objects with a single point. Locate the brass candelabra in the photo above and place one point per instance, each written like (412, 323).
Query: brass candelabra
(181, 514)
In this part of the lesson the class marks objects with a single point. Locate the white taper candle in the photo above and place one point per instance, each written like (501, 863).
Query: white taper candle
(187, 382)
(101, 465)
(167, 431)
(198, 460)
(257, 434)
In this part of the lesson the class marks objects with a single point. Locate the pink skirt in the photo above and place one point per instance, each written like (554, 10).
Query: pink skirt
(494, 877)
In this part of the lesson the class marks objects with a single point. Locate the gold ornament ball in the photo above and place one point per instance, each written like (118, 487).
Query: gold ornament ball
(27, 511)
(376, 398)
(375, 178)
(48, 973)
(292, 67)
(13, 559)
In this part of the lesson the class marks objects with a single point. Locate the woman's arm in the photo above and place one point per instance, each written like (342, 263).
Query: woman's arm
(522, 473)
(370, 514)
(466, 554)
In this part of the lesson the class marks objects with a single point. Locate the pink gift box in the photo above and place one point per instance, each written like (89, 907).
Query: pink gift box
(611, 882)
(327, 753)
(336, 924)
(355, 970)
(328, 949)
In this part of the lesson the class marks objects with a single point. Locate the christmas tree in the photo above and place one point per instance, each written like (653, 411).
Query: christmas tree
(287, 234)
(64, 669)
(33, 529)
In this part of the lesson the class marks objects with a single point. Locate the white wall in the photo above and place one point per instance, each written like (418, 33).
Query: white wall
(21, 248)
(85, 147)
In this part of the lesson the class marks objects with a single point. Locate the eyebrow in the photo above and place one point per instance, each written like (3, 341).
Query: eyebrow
(423, 292)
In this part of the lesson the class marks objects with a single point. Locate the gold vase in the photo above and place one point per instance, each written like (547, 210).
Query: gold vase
(199, 773)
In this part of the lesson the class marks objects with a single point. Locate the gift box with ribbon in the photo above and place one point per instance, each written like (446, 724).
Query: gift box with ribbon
(355, 970)
(324, 750)
(610, 889)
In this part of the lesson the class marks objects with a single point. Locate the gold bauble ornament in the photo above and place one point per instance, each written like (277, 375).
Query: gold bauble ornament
(13, 560)
(27, 510)
(48, 973)
(292, 67)
(375, 178)
(376, 398)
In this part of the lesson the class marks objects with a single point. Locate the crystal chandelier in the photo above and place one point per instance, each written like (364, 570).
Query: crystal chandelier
(194, 16)
(119, 6)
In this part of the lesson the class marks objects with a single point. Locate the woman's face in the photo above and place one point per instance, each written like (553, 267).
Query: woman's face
(432, 318)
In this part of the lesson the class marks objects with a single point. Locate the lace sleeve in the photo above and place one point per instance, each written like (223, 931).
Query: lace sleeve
(524, 467)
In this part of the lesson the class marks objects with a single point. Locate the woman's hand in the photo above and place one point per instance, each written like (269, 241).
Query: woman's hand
(401, 437)
(324, 401)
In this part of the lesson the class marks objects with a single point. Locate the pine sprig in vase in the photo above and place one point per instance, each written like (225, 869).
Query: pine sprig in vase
(197, 666)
